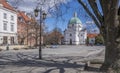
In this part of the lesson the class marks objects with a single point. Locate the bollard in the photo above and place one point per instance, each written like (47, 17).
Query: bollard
(87, 64)
(7, 48)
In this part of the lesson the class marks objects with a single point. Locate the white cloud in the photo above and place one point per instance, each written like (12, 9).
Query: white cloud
(90, 22)
(30, 5)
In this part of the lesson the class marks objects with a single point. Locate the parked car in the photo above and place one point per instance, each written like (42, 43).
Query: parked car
(54, 46)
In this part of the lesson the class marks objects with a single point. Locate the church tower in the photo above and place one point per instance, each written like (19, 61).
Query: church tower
(74, 34)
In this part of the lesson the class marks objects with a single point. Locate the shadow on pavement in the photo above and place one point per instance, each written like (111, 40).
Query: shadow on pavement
(28, 61)
(32, 61)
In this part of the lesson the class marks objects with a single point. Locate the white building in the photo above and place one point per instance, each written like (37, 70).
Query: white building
(75, 34)
(8, 24)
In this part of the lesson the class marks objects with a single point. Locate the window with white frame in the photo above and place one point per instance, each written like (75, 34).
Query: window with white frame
(4, 15)
(12, 26)
(4, 25)
(12, 17)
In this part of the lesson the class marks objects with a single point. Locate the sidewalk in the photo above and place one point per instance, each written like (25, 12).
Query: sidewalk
(13, 46)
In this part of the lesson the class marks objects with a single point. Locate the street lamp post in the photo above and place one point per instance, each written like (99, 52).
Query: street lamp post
(42, 17)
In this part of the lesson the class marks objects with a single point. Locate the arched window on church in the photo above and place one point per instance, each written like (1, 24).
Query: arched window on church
(79, 26)
(81, 34)
(70, 34)
(69, 26)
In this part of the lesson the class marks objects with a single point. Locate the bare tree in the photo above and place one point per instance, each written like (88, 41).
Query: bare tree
(34, 30)
(54, 37)
(109, 24)
(16, 3)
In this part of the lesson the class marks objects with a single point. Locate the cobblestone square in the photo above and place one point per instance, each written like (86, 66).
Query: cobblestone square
(62, 59)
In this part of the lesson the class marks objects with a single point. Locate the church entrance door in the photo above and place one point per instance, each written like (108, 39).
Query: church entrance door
(70, 41)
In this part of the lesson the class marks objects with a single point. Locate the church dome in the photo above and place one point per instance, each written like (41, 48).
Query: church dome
(75, 20)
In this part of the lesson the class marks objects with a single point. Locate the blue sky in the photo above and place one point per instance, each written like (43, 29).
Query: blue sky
(63, 20)
(66, 9)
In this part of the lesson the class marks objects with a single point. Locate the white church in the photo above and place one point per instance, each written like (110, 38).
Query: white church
(75, 34)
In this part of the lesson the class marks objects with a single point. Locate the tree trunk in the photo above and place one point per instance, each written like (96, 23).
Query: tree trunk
(112, 42)
(109, 25)
(112, 55)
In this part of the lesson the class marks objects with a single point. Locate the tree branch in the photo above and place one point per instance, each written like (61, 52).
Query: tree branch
(90, 14)
(96, 11)
(105, 5)
(102, 6)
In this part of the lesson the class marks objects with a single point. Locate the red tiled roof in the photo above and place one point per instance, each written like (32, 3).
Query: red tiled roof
(18, 14)
(6, 5)
(92, 35)
(22, 14)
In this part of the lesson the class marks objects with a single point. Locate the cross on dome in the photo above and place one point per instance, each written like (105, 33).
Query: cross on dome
(75, 14)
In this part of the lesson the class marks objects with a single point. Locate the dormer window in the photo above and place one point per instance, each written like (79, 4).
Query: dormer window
(28, 22)
(20, 18)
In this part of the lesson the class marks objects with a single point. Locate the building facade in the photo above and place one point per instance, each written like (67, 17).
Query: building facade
(23, 24)
(28, 30)
(91, 38)
(8, 24)
(75, 34)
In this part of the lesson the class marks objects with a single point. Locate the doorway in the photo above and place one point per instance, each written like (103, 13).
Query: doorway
(5, 40)
(12, 40)
(70, 41)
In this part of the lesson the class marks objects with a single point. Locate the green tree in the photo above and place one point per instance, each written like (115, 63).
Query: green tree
(108, 21)
(99, 39)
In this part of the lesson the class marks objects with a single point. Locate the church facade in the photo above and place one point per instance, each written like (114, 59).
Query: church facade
(75, 34)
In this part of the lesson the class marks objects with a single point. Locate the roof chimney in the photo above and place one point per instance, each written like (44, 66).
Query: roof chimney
(1, 4)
